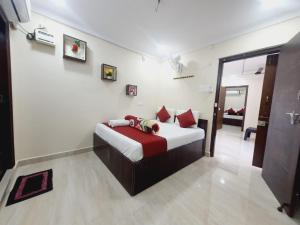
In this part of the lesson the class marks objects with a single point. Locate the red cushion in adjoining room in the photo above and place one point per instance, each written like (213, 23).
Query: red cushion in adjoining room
(163, 114)
(231, 111)
(241, 112)
(186, 119)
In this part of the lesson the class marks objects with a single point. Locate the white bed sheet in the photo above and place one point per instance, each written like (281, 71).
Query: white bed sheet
(173, 133)
(236, 117)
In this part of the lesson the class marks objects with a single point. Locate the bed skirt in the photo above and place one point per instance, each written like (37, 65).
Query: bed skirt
(137, 176)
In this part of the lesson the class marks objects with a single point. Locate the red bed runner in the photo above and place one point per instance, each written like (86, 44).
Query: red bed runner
(152, 144)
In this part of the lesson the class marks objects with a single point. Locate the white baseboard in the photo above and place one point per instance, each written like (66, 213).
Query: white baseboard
(5, 184)
(10, 174)
(57, 155)
(207, 154)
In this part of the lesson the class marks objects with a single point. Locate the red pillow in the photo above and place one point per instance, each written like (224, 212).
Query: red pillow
(241, 112)
(231, 112)
(186, 119)
(163, 114)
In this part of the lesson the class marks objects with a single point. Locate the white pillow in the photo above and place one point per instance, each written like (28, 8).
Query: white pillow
(196, 115)
(171, 112)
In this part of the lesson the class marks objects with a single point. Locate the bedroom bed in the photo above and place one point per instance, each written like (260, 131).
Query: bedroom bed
(124, 156)
(233, 120)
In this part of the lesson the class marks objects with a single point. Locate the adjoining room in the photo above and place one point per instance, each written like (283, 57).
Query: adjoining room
(239, 105)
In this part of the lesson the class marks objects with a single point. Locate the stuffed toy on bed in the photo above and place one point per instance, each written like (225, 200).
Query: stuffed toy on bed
(147, 126)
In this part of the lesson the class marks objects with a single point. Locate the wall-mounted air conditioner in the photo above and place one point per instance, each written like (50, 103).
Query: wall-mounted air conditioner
(16, 11)
(233, 92)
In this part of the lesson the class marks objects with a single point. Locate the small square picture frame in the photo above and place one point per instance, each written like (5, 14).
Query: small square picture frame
(131, 90)
(109, 72)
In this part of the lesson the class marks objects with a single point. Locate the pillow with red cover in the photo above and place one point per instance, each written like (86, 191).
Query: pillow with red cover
(163, 114)
(186, 119)
(231, 111)
(241, 112)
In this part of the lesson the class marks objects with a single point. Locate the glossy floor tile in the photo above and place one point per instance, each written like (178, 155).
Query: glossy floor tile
(212, 191)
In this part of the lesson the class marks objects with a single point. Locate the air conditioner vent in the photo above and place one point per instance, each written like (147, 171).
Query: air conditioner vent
(17, 11)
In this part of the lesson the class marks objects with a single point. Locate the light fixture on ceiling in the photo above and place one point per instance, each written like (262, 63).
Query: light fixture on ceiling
(59, 3)
(163, 50)
(222, 181)
(259, 71)
(268, 4)
(157, 6)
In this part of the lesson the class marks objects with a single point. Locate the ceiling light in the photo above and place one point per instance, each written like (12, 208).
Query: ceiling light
(222, 181)
(163, 50)
(59, 3)
(259, 71)
(268, 4)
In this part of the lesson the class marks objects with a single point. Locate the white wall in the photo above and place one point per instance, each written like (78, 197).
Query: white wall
(204, 65)
(58, 102)
(236, 102)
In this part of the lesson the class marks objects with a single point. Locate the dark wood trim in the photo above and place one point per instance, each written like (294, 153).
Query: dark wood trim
(6, 74)
(246, 55)
(260, 52)
(70, 57)
(233, 122)
(203, 124)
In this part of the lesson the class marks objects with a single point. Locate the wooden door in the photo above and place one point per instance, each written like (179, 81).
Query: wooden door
(281, 161)
(221, 106)
(6, 126)
(265, 110)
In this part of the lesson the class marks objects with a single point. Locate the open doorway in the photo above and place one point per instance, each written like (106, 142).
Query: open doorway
(240, 124)
(241, 85)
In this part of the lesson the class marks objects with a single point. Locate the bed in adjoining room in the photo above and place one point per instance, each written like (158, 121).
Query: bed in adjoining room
(233, 120)
(125, 157)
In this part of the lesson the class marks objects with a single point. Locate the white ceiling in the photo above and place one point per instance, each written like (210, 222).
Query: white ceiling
(246, 67)
(178, 26)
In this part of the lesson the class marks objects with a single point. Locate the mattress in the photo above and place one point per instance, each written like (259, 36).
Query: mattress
(235, 117)
(173, 133)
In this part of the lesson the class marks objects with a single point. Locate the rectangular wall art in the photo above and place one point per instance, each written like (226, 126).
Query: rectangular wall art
(74, 48)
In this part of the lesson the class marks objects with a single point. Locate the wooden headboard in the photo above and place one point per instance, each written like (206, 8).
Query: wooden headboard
(203, 125)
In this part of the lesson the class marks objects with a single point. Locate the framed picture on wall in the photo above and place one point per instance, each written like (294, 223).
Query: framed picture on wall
(108, 72)
(131, 90)
(74, 48)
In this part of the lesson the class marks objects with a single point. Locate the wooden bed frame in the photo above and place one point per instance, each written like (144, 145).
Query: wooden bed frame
(137, 176)
(233, 122)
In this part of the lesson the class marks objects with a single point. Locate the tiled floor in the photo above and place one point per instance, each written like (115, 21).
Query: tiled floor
(224, 190)
(232, 150)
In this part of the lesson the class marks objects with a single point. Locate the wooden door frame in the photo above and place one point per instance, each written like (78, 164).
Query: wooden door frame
(6, 72)
(222, 61)
(245, 102)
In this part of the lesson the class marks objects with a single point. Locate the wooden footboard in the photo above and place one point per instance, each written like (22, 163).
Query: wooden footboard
(137, 176)
(232, 122)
